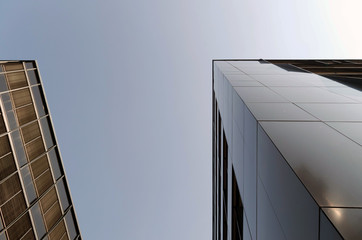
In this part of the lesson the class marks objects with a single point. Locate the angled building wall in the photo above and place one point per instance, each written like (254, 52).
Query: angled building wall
(287, 145)
(35, 201)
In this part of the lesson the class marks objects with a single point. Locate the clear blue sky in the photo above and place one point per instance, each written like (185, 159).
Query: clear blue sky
(129, 88)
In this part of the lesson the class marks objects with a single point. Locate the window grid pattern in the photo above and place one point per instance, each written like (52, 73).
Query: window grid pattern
(34, 202)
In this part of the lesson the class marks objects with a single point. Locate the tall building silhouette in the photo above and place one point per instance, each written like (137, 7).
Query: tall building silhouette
(287, 149)
(35, 201)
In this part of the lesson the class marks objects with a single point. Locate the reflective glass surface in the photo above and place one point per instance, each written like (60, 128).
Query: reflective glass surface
(279, 111)
(249, 173)
(246, 231)
(3, 84)
(69, 219)
(327, 162)
(3, 236)
(18, 147)
(310, 95)
(54, 161)
(238, 112)
(327, 230)
(8, 107)
(39, 101)
(63, 195)
(38, 220)
(347, 221)
(296, 210)
(334, 112)
(237, 158)
(28, 184)
(353, 130)
(48, 137)
(30, 65)
(268, 224)
(228, 108)
(258, 94)
(33, 77)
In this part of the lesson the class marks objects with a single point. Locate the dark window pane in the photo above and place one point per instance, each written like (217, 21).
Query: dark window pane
(2, 125)
(48, 200)
(54, 161)
(39, 166)
(1, 224)
(13, 208)
(39, 100)
(48, 136)
(38, 220)
(58, 231)
(29, 235)
(9, 188)
(17, 80)
(13, 66)
(30, 65)
(4, 145)
(19, 148)
(21, 226)
(28, 184)
(3, 84)
(43, 182)
(25, 114)
(33, 77)
(63, 194)
(35, 148)
(30, 132)
(7, 166)
(69, 219)
(21, 97)
(52, 215)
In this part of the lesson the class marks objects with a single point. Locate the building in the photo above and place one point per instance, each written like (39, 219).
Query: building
(287, 149)
(35, 201)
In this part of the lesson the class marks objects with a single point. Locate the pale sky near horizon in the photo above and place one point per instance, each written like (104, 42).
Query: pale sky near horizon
(128, 84)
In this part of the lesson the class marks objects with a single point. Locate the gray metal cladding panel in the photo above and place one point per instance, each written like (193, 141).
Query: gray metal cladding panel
(238, 158)
(347, 221)
(258, 94)
(296, 210)
(246, 231)
(238, 113)
(328, 163)
(347, 92)
(315, 95)
(352, 130)
(269, 227)
(249, 174)
(334, 112)
(228, 114)
(327, 230)
(279, 112)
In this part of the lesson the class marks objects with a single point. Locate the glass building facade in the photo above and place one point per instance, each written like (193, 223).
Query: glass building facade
(287, 149)
(35, 201)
